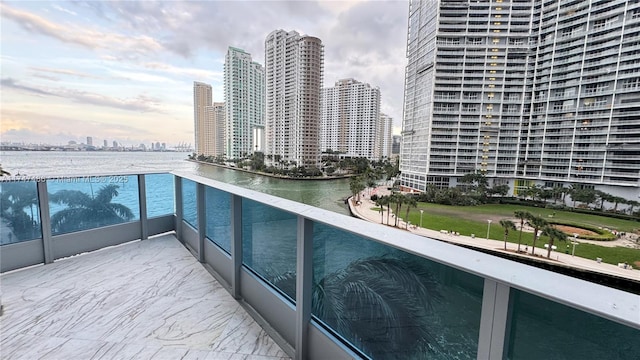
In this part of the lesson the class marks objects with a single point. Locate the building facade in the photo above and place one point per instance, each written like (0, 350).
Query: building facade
(351, 119)
(203, 118)
(525, 92)
(220, 128)
(385, 135)
(244, 98)
(293, 79)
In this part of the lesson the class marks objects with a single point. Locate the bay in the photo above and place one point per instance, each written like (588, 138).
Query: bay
(323, 194)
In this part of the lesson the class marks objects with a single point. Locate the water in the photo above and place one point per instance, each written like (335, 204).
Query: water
(323, 194)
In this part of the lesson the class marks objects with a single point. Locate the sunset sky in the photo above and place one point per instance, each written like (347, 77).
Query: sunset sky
(124, 71)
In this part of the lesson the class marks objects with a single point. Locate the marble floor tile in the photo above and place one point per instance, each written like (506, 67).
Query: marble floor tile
(243, 335)
(142, 300)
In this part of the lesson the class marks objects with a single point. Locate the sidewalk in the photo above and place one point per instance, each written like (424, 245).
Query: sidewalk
(363, 211)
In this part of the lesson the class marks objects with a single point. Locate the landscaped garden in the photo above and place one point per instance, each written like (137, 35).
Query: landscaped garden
(468, 220)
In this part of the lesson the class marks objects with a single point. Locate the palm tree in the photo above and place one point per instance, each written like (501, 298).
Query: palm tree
(537, 223)
(411, 202)
(16, 198)
(389, 200)
(398, 200)
(3, 172)
(382, 305)
(356, 186)
(87, 211)
(507, 225)
(382, 201)
(553, 234)
(522, 215)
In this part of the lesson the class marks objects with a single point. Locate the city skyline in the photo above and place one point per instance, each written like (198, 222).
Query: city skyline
(125, 70)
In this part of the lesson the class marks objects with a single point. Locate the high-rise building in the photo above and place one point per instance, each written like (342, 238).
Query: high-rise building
(293, 77)
(219, 128)
(203, 118)
(395, 145)
(244, 98)
(351, 119)
(525, 92)
(385, 135)
(89, 141)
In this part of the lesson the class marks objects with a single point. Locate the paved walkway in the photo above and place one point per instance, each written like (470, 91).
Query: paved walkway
(363, 211)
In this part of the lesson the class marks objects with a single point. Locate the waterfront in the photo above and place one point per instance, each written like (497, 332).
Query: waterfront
(323, 194)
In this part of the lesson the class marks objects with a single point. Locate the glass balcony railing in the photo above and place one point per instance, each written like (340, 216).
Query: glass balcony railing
(19, 212)
(328, 285)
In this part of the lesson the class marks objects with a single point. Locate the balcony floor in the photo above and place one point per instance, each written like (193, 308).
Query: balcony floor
(142, 300)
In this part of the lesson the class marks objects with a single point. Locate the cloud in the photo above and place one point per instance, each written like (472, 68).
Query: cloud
(191, 73)
(142, 103)
(64, 72)
(60, 8)
(81, 36)
(187, 27)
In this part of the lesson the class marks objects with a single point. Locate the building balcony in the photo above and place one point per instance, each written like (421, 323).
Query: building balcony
(243, 274)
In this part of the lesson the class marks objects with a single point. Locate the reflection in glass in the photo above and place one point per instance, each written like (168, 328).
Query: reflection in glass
(90, 202)
(269, 244)
(159, 189)
(218, 210)
(543, 329)
(19, 212)
(393, 305)
(189, 206)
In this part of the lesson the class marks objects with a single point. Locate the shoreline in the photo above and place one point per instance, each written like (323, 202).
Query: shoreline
(496, 247)
(281, 177)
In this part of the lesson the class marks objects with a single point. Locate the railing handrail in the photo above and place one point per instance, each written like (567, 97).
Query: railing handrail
(40, 178)
(610, 303)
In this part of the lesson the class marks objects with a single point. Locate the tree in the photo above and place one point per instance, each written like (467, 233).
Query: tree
(398, 200)
(382, 201)
(411, 202)
(356, 185)
(86, 211)
(507, 225)
(522, 215)
(18, 200)
(553, 234)
(501, 190)
(537, 223)
(388, 201)
(3, 172)
(381, 305)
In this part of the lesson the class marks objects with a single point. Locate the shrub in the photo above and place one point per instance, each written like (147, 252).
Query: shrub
(603, 235)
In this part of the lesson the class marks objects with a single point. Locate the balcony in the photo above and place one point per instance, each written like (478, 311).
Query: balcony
(321, 284)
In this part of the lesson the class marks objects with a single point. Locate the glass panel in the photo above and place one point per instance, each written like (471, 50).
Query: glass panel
(269, 244)
(89, 202)
(218, 205)
(19, 212)
(543, 329)
(159, 189)
(189, 206)
(391, 304)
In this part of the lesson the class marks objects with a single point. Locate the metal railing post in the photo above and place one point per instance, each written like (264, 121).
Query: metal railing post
(202, 219)
(494, 321)
(236, 245)
(45, 221)
(179, 211)
(304, 277)
(142, 198)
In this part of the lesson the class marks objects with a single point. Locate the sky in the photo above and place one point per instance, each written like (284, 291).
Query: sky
(124, 70)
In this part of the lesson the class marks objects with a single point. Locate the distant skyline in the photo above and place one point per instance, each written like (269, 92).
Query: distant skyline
(124, 71)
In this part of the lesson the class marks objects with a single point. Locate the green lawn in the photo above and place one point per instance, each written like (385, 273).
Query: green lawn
(469, 220)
